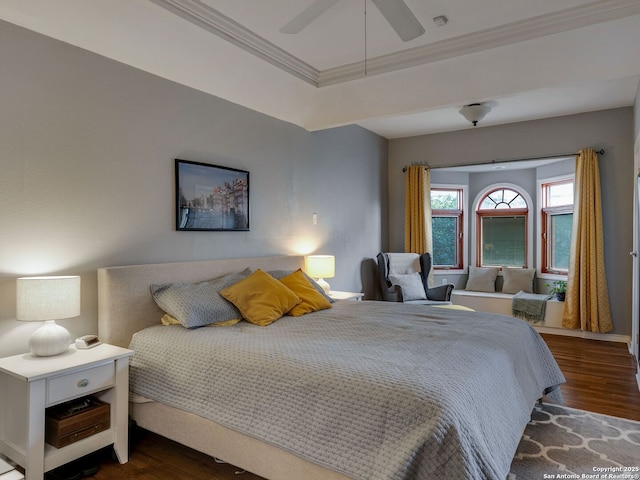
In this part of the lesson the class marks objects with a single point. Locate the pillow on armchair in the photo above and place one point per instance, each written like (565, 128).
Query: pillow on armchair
(411, 284)
(407, 268)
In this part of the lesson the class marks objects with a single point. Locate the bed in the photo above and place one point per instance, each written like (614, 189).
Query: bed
(364, 390)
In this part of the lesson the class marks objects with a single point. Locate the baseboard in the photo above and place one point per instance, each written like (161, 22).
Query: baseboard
(638, 377)
(568, 332)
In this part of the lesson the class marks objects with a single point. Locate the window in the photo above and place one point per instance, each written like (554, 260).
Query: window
(556, 223)
(502, 229)
(447, 227)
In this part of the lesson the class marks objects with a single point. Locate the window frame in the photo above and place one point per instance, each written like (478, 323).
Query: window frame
(511, 212)
(544, 213)
(462, 225)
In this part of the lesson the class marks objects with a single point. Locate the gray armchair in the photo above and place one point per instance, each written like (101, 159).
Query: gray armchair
(410, 263)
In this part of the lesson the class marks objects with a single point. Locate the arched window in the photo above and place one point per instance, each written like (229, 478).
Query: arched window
(502, 222)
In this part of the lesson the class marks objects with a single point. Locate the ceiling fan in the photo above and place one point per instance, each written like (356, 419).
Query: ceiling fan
(396, 12)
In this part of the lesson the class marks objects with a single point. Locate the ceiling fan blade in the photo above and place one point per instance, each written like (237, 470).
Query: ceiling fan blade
(308, 15)
(400, 18)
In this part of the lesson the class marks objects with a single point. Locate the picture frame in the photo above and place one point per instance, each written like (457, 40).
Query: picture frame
(211, 197)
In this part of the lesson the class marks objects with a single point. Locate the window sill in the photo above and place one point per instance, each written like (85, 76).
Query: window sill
(451, 271)
(551, 276)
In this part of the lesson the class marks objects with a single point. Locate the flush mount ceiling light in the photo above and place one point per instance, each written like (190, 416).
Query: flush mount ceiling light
(475, 112)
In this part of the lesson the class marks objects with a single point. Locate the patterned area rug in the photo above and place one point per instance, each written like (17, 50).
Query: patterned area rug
(561, 442)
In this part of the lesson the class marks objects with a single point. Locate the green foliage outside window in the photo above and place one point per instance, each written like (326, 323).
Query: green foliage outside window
(561, 240)
(445, 228)
(444, 235)
(444, 200)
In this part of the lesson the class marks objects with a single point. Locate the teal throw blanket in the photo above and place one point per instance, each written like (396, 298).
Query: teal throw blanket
(529, 306)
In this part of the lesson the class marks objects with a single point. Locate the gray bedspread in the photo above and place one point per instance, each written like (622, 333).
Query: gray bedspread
(374, 390)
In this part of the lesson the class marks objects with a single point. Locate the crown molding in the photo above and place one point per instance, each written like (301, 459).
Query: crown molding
(215, 22)
(528, 29)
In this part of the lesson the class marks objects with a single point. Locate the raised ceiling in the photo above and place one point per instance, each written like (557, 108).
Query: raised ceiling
(529, 59)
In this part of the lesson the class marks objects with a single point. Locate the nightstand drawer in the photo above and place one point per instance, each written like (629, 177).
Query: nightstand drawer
(80, 383)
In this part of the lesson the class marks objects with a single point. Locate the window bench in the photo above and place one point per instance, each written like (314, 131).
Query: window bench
(499, 302)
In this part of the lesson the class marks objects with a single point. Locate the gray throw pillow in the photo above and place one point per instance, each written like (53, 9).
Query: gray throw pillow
(482, 279)
(411, 284)
(517, 279)
(199, 304)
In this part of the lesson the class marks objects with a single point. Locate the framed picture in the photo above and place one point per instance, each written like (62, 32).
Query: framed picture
(209, 197)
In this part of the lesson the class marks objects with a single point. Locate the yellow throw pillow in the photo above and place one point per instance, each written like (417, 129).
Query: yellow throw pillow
(169, 320)
(311, 300)
(261, 298)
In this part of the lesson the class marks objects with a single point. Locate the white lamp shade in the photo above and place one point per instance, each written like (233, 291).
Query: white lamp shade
(47, 298)
(321, 266)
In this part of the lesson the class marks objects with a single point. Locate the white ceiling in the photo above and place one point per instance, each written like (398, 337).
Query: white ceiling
(530, 59)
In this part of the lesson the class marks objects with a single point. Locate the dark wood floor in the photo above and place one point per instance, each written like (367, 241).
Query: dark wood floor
(600, 378)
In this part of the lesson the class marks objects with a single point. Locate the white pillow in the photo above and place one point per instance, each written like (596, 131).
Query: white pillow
(411, 284)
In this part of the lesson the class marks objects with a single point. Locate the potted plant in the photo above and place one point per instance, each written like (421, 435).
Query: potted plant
(559, 288)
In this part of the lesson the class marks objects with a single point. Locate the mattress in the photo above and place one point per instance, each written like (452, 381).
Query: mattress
(372, 390)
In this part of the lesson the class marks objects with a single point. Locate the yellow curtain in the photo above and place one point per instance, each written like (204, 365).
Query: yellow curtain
(417, 217)
(587, 300)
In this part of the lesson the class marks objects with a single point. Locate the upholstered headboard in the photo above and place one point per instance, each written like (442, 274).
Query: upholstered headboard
(125, 304)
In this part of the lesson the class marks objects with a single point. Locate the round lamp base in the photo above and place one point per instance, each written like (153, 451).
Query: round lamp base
(325, 286)
(50, 339)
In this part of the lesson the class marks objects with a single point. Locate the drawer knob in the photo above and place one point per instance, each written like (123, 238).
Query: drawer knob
(83, 383)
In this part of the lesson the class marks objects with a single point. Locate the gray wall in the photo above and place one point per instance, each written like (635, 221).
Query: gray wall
(87, 178)
(608, 129)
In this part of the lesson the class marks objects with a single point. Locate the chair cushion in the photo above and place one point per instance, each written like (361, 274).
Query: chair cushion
(427, 302)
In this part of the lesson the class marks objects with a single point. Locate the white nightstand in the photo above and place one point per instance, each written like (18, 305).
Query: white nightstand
(29, 384)
(338, 295)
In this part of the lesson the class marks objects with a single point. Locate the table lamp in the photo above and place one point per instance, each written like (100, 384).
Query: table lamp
(321, 267)
(48, 299)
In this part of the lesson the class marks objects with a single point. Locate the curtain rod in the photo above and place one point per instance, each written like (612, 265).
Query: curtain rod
(546, 157)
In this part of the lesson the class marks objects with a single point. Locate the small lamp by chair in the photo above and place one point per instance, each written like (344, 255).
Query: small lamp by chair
(321, 267)
(48, 299)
